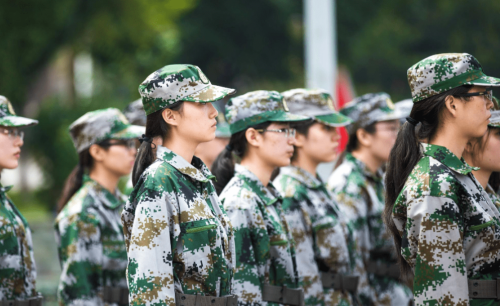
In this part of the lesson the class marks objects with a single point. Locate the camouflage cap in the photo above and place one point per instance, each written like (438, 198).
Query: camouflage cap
(368, 109)
(404, 107)
(495, 119)
(442, 72)
(100, 125)
(257, 107)
(316, 104)
(174, 83)
(135, 114)
(8, 115)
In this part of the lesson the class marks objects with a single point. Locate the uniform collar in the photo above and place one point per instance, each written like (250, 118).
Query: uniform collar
(110, 200)
(363, 168)
(447, 158)
(268, 194)
(5, 189)
(196, 170)
(302, 176)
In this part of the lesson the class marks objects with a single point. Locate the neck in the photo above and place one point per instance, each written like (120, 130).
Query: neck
(181, 147)
(371, 162)
(305, 163)
(262, 170)
(452, 140)
(482, 176)
(105, 178)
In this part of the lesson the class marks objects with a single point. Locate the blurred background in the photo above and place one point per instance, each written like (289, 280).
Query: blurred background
(60, 59)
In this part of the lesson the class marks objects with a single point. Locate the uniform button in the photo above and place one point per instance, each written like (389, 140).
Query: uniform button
(474, 293)
(476, 284)
(213, 300)
(183, 297)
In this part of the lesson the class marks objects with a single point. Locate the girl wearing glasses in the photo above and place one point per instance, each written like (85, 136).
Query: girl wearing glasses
(262, 141)
(88, 229)
(483, 153)
(358, 188)
(445, 227)
(322, 238)
(17, 263)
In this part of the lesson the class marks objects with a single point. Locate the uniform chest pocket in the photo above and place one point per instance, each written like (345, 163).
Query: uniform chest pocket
(198, 236)
(9, 244)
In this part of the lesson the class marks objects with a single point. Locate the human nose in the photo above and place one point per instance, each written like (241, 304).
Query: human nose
(213, 111)
(489, 104)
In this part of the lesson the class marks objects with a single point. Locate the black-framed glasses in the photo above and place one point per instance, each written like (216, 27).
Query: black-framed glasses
(129, 143)
(13, 133)
(488, 94)
(289, 133)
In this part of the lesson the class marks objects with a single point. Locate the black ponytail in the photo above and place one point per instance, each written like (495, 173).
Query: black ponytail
(353, 143)
(405, 155)
(155, 126)
(223, 166)
(75, 178)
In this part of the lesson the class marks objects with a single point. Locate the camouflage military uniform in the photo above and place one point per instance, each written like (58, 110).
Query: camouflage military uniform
(360, 195)
(319, 231)
(177, 234)
(450, 229)
(91, 247)
(265, 251)
(495, 199)
(17, 262)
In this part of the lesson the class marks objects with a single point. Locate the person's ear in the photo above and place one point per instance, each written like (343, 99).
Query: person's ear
(364, 138)
(300, 140)
(452, 104)
(97, 152)
(253, 137)
(170, 116)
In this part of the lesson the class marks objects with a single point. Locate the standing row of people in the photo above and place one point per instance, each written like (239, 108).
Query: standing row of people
(261, 227)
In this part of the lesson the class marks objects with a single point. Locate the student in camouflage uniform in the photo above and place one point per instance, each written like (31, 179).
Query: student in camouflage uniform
(318, 227)
(17, 262)
(208, 151)
(179, 240)
(265, 251)
(89, 233)
(359, 190)
(445, 227)
(484, 154)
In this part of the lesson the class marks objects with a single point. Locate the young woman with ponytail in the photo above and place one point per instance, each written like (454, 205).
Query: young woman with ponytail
(445, 227)
(262, 141)
(483, 153)
(88, 228)
(179, 240)
(17, 262)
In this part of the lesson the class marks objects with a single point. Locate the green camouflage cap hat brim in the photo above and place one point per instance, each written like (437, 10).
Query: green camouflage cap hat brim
(99, 125)
(174, 83)
(9, 118)
(316, 104)
(368, 109)
(495, 119)
(135, 114)
(404, 107)
(442, 72)
(257, 107)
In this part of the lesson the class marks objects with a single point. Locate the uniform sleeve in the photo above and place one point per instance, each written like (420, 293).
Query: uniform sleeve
(150, 272)
(434, 248)
(80, 254)
(252, 250)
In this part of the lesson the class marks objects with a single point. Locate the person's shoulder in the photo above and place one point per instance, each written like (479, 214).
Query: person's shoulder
(238, 194)
(81, 206)
(346, 176)
(288, 186)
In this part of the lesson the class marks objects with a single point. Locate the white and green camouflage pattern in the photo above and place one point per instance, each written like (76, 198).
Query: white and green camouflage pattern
(257, 107)
(321, 234)
(316, 104)
(17, 262)
(135, 114)
(265, 249)
(177, 234)
(368, 109)
(9, 118)
(174, 83)
(494, 197)
(495, 119)
(91, 246)
(102, 124)
(442, 72)
(222, 130)
(360, 195)
(450, 229)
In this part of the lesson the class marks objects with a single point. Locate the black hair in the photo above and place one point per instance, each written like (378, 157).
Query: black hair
(405, 155)
(223, 166)
(155, 126)
(353, 143)
(302, 127)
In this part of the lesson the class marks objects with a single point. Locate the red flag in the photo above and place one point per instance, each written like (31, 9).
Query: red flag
(345, 94)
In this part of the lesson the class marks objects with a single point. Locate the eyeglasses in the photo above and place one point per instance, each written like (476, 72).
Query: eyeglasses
(392, 129)
(488, 94)
(13, 133)
(289, 133)
(129, 143)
